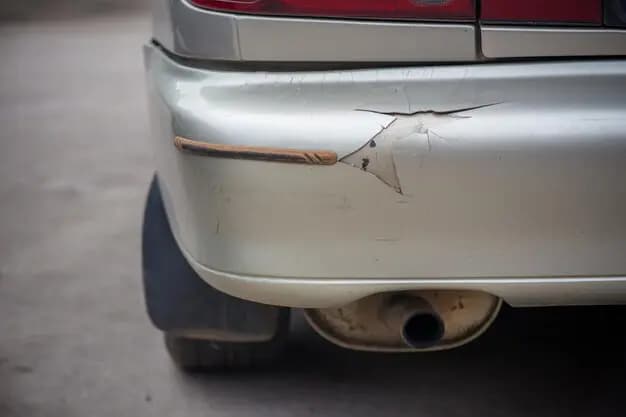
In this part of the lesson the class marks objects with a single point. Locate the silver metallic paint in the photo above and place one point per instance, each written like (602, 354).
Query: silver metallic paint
(511, 42)
(315, 40)
(188, 31)
(524, 199)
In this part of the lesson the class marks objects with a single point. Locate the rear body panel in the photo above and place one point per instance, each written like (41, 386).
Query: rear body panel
(189, 31)
(509, 178)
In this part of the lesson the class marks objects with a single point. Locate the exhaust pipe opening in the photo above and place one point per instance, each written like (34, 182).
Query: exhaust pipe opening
(423, 330)
(419, 325)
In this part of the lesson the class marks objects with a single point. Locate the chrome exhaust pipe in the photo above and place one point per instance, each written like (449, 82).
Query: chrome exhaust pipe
(420, 325)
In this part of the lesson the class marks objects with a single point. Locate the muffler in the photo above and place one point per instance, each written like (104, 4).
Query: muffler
(409, 321)
(420, 326)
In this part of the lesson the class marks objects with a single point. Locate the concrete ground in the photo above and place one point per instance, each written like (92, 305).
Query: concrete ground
(74, 337)
(28, 10)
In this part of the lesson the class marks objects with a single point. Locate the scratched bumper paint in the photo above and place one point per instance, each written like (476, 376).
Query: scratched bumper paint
(256, 153)
(452, 174)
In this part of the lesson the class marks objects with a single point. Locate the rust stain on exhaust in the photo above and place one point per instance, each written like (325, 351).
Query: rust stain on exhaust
(379, 322)
(256, 153)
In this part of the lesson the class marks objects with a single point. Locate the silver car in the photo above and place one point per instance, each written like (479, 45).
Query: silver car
(398, 169)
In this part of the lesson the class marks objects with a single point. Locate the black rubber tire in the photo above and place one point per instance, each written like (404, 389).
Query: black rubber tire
(200, 355)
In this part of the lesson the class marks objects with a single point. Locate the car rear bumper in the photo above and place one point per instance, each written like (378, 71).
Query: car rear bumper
(503, 177)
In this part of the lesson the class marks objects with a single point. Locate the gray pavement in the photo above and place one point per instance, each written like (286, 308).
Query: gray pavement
(29, 10)
(75, 340)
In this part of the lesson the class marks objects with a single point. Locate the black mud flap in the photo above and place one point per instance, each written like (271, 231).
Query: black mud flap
(179, 300)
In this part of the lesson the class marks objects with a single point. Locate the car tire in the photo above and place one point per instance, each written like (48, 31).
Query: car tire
(200, 355)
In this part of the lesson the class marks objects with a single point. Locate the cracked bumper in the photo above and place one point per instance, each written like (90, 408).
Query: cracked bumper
(507, 178)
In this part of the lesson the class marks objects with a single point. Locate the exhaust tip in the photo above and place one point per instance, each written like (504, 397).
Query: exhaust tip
(419, 325)
(423, 330)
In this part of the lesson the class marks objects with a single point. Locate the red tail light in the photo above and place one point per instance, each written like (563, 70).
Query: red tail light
(394, 9)
(542, 11)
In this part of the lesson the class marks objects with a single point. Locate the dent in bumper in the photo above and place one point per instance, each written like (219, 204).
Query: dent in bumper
(531, 187)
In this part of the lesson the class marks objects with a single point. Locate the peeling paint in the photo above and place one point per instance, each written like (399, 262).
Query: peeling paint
(376, 156)
(378, 159)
